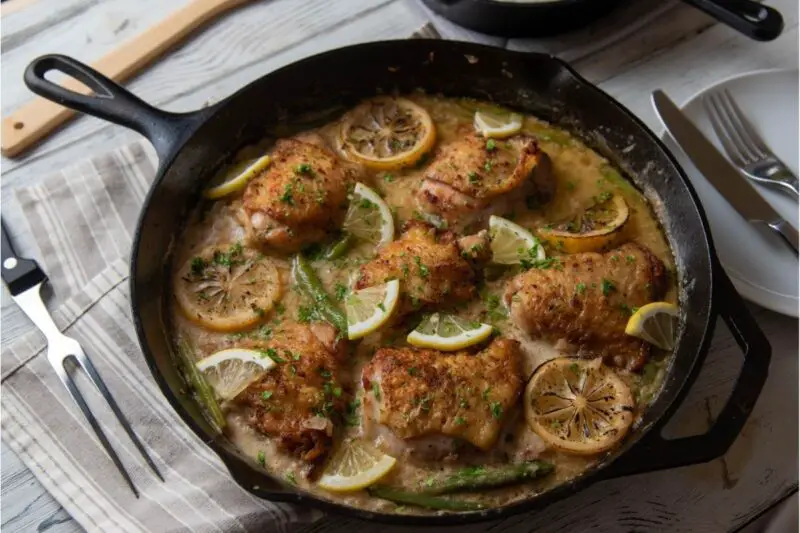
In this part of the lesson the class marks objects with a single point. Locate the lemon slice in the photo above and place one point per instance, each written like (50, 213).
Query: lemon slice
(227, 287)
(386, 133)
(448, 333)
(594, 229)
(656, 323)
(234, 178)
(579, 406)
(354, 466)
(512, 244)
(497, 126)
(370, 308)
(230, 371)
(368, 217)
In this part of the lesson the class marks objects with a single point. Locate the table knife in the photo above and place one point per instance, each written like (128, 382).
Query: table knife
(734, 187)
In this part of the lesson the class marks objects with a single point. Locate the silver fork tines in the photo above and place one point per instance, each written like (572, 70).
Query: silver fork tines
(60, 349)
(744, 146)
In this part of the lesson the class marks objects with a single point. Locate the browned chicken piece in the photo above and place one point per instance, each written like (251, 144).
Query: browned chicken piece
(470, 172)
(429, 265)
(299, 198)
(299, 400)
(587, 301)
(420, 393)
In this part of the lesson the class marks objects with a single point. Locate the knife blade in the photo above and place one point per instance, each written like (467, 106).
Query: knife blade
(725, 178)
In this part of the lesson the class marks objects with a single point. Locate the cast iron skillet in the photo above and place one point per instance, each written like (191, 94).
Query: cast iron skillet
(520, 19)
(191, 146)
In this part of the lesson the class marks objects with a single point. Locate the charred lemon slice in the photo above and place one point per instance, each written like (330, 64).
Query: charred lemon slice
(578, 406)
(386, 133)
(592, 230)
(227, 287)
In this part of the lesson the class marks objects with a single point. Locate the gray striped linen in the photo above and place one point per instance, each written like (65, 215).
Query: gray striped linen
(82, 221)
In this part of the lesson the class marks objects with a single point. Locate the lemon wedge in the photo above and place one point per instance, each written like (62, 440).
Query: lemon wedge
(370, 308)
(579, 406)
(448, 333)
(230, 371)
(354, 466)
(234, 178)
(497, 126)
(386, 133)
(594, 229)
(655, 323)
(368, 217)
(512, 244)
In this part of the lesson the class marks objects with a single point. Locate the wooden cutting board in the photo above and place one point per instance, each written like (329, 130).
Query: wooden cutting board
(35, 120)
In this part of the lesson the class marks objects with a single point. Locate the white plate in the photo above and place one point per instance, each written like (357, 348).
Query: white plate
(761, 266)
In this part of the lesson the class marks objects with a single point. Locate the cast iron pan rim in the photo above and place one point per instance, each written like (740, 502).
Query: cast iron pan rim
(532, 6)
(593, 474)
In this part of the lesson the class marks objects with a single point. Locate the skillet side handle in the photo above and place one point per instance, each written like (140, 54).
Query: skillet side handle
(757, 21)
(166, 131)
(654, 452)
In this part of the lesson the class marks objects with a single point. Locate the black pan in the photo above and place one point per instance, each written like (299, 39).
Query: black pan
(531, 19)
(191, 146)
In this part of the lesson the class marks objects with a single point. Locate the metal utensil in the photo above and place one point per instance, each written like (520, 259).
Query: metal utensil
(24, 280)
(719, 171)
(743, 145)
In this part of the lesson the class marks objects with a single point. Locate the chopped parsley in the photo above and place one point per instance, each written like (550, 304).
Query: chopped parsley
(306, 314)
(460, 421)
(266, 395)
(272, 354)
(198, 265)
(413, 371)
(605, 196)
(463, 403)
(497, 410)
(473, 177)
(262, 459)
(290, 478)
(575, 369)
(607, 286)
(376, 390)
(630, 259)
(570, 186)
(287, 196)
(490, 145)
(486, 393)
(494, 310)
(487, 166)
(423, 270)
(303, 168)
(580, 288)
(388, 178)
(351, 417)
(339, 292)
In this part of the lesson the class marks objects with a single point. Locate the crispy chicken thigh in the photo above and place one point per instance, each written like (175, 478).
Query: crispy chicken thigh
(470, 172)
(298, 401)
(589, 300)
(429, 265)
(299, 198)
(420, 393)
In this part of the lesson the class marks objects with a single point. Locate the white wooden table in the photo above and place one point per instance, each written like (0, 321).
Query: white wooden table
(651, 44)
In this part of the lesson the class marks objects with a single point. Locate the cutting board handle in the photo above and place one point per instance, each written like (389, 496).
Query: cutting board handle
(37, 119)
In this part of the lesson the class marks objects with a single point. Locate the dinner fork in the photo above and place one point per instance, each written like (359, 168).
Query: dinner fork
(744, 146)
(24, 280)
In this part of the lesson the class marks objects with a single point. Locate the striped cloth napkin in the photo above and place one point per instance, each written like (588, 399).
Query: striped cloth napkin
(82, 220)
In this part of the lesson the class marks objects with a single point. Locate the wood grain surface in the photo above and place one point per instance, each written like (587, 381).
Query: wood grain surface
(646, 45)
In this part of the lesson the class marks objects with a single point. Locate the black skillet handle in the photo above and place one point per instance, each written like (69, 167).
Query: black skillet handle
(654, 452)
(18, 273)
(757, 21)
(166, 131)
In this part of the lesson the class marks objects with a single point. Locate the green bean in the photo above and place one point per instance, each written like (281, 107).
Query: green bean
(202, 389)
(423, 500)
(311, 286)
(482, 478)
(339, 247)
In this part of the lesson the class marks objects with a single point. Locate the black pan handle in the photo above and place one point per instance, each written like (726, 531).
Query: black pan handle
(757, 21)
(18, 273)
(166, 131)
(654, 452)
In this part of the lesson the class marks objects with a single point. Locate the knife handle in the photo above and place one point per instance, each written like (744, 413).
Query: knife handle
(786, 231)
(18, 273)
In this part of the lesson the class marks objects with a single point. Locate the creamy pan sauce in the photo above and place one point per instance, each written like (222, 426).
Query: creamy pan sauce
(580, 176)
